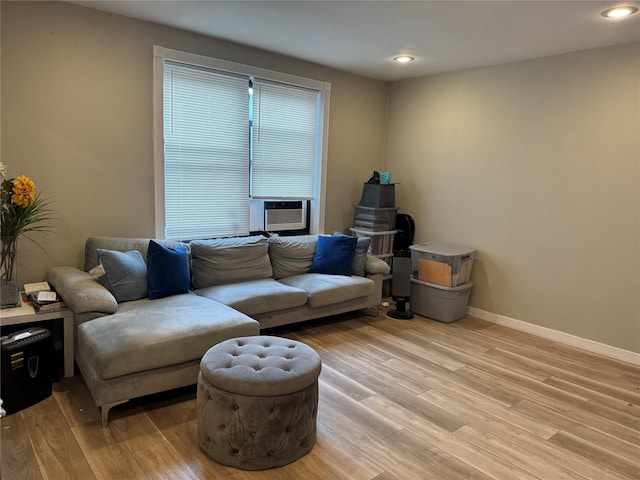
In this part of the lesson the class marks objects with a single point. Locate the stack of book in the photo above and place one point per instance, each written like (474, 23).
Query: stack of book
(43, 298)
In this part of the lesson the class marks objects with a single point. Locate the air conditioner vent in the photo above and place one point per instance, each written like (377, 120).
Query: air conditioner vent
(285, 215)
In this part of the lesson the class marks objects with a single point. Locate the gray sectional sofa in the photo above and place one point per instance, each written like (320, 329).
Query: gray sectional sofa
(128, 345)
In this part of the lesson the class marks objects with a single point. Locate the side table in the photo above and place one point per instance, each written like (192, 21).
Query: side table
(26, 314)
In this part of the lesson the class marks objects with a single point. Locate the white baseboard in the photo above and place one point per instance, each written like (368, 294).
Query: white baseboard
(560, 337)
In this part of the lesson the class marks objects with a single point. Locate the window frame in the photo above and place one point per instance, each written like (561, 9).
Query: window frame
(160, 54)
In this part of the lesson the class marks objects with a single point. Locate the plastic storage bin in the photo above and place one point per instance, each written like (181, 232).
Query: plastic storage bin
(444, 304)
(444, 264)
(378, 195)
(374, 219)
(381, 242)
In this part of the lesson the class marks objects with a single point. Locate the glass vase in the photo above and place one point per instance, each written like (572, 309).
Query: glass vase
(9, 293)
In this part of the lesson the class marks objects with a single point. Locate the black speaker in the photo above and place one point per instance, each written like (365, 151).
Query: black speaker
(401, 284)
(27, 358)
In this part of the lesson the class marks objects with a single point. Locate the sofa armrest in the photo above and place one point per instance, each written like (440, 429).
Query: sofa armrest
(80, 291)
(375, 265)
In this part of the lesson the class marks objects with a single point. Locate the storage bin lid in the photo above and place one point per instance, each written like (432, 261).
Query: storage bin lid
(457, 288)
(443, 248)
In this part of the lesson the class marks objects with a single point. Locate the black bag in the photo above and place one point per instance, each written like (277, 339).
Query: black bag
(406, 230)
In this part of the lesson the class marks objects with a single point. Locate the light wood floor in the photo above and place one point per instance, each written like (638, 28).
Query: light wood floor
(398, 400)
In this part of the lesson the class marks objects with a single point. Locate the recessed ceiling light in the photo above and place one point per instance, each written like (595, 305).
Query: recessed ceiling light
(619, 12)
(403, 59)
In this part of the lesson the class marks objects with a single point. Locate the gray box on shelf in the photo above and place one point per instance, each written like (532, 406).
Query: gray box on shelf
(445, 304)
(378, 195)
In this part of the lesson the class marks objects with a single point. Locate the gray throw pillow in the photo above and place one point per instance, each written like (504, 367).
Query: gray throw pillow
(360, 257)
(125, 274)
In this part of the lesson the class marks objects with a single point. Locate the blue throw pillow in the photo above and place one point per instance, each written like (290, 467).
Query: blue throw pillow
(334, 255)
(167, 271)
(125, 274)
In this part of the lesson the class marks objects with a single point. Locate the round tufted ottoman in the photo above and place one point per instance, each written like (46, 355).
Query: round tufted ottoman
(257, 401)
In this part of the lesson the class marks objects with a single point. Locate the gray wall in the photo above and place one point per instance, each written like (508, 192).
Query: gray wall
(537, 165)
(77, 118)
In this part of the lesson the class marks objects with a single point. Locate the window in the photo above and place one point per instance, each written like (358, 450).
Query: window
(226, 133)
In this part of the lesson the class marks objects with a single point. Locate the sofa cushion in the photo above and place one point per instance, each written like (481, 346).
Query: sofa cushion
(325, 290)
(125, 274)
(121, 244)
(149, 334)
(167, 270)
(334, 255)
(292, 255)
(229, 260)
(256, 296)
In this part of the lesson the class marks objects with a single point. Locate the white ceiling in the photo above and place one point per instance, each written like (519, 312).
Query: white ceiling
(362, 36)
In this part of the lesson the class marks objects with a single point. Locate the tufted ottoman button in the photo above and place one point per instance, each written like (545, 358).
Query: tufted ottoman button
(267, 385)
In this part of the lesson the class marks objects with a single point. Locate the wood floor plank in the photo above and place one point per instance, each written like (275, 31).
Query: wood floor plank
(592, 388)
(475, 408)
(18, 458)
(434, 437)
(434, 461)
(136, 429)
(165, 412)
(432, 378)
(487, 360)
(310, 467)
(519, 385)
(493, 443)
(160, 461)
(396, 345)
(511, 336)
(343, 457)
(359, 367)
(593, 429)
(378, 425)
(345, 384)
(624, 465)
(422, 331)
(57, 450)
(618, 414)
(75, 401)
(592, 360)
(107, 454)
(183, 437)
(546, 451)
(623, 426)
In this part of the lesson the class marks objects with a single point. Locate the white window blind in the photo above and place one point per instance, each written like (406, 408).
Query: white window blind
(206, 153)
(284, 141)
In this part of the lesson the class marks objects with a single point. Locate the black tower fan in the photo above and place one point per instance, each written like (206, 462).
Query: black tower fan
(401, 284)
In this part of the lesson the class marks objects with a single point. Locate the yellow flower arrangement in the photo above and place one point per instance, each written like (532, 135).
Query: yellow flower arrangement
(24, 191)
(23, 212)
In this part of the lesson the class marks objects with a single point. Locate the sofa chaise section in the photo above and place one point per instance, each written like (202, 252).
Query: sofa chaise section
(150, 346)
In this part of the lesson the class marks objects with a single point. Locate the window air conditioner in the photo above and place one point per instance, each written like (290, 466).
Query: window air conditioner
(284, 215)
